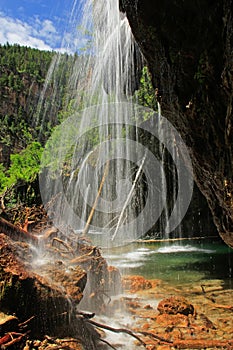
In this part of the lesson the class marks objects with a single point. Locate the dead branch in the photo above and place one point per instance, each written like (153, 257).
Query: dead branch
(85, 257)
(9, 340)
(129, 197)
(25, 323)
(70, 340)
(221, 306)
(116, 330)
(86, 314)
(56, 250)
(49, 233)
(157, 337)
(106, 342)
(211, 289)
(212, 300)
(105, 174)
(178, 344)
(66, 245)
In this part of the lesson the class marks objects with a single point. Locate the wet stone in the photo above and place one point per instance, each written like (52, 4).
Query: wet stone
(175, 305)
(136, 283)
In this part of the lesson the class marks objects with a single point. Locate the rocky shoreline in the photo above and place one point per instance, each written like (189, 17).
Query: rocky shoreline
(188, 317)
(47, 281)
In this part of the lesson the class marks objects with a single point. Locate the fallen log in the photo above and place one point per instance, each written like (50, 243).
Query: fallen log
(162, 240)
(202, 344)
(221, 306)
(15, 232)
(212, 301)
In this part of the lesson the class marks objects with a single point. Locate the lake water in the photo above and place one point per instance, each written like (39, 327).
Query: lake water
(182, 265)
(175, 262)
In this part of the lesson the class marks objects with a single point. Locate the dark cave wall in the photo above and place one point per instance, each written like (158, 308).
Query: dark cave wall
(189, 50)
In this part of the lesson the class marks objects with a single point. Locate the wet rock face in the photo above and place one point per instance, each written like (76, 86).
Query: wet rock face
(189, 50)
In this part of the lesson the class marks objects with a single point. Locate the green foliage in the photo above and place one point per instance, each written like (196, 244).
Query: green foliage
(22, 72)
(26, 165)
(201, 74)
(29, 113)
(3, 178)
(25, 115)
(58, 147)
(19, 59)
(145, 96)
(23, 171)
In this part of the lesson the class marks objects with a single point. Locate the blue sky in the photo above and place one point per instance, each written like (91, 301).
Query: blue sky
(42, 24)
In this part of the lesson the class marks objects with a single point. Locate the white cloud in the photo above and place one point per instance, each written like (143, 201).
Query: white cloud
(41, 35)
(74, 41)
(45, 29)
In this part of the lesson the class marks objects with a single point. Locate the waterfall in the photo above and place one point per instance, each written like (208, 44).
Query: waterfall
(98, 160)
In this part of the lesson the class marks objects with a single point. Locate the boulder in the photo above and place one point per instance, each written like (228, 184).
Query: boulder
(175, 305)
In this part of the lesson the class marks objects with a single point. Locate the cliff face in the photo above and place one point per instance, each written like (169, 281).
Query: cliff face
(189, 50)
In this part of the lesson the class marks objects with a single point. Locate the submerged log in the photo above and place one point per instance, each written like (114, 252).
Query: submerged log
(202, 344)
(158, 240)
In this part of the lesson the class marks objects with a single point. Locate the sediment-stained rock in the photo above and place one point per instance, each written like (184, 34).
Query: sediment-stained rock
(136, 283)
(26, 293)
(45, 283)
(175, 305)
